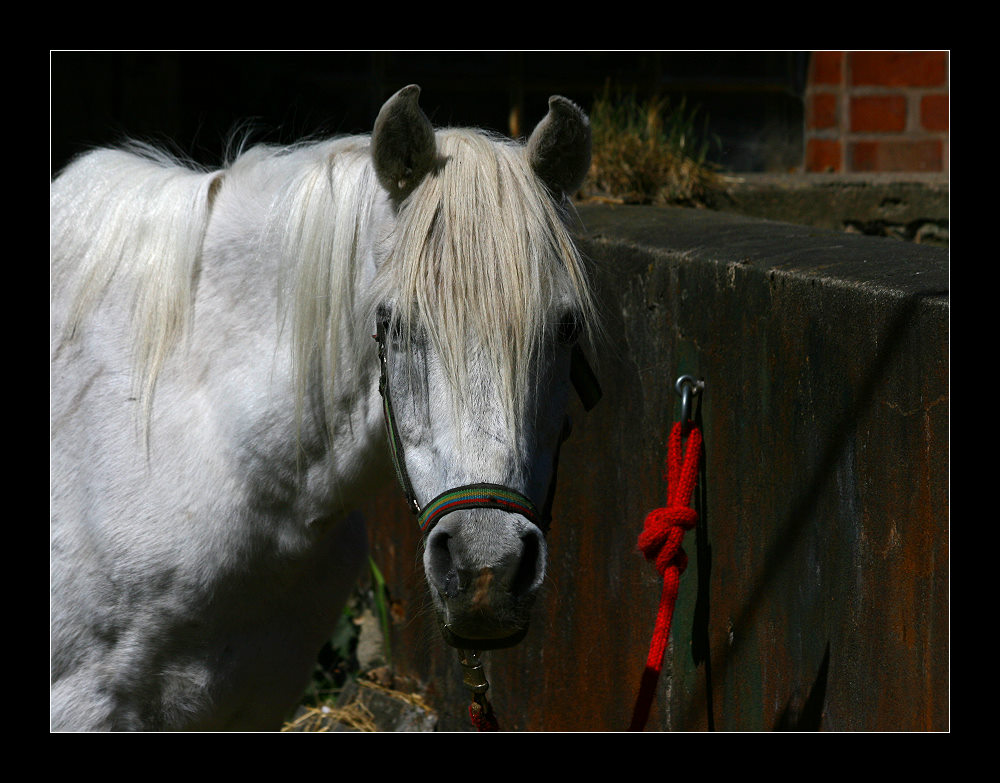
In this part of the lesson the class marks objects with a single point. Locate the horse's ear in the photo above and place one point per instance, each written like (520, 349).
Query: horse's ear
(403, 147)
(559, 148)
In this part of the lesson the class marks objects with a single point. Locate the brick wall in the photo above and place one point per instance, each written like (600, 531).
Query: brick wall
(877, 112)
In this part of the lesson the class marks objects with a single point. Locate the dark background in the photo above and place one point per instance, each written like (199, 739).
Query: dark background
(196, 102)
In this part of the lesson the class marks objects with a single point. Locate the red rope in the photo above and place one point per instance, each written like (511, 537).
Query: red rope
(481, 715)
(660, 541)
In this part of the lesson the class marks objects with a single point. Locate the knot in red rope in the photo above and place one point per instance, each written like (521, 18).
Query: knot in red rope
(664, 528)
(662, 534)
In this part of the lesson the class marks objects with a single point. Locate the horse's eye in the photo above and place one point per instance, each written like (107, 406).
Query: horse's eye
(390, 326)
(568, 328)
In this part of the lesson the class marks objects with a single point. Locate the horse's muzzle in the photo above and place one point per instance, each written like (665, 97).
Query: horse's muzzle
(484, 568)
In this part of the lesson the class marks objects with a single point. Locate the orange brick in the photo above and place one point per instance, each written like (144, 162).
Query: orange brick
(898, 155)
(824, 155)
(826, 67)
(934, 112)
(878, 113)
(899, 69)
(822, 110)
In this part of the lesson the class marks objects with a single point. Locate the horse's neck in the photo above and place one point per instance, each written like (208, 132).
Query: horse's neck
(331, 431)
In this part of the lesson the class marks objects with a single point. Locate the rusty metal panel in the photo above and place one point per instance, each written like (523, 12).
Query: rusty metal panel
(817, 591)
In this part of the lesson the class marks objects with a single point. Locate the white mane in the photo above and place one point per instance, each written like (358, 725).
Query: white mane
(137, 217)
(325, 218)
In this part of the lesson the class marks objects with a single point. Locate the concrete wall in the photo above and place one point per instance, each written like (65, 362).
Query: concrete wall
(817, 591)
(912, 207)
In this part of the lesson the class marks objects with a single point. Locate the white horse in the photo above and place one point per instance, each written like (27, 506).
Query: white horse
(215, 406)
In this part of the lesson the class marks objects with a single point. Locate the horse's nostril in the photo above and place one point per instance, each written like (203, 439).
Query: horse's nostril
(440, 565)
(451, 583)
(531, 565)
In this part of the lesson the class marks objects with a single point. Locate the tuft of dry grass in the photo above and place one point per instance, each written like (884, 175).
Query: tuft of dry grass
(648, 153)
(325, 718)
(355, 714)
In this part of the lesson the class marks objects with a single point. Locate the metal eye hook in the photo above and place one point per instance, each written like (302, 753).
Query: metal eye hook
(688, 387)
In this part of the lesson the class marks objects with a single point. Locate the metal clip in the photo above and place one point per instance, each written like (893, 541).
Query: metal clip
(688, 387)
(473, 674)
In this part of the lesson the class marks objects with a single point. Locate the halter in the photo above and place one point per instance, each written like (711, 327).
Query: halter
(482, 494)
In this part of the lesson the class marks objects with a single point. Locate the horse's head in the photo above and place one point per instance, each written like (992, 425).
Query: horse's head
(480, 298)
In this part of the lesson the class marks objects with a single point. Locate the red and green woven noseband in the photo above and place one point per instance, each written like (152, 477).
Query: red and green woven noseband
(476, 496)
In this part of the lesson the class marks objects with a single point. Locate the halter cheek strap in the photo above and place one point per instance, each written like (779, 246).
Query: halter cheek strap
(395, 444)
(481, 495)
